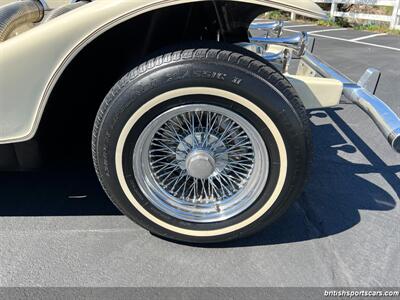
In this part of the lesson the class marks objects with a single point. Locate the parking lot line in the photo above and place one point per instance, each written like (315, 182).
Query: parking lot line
(350, 41)
(357, 42)
(368, 36)
(301, 25)
(327, 30)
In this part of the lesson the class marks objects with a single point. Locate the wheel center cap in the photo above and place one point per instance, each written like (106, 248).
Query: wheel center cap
(200, 164)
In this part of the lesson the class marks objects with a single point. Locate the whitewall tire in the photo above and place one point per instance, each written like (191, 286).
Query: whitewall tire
(202, 145)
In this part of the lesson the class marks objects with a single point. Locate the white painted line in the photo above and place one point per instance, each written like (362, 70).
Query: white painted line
(368, 36)
(286, 26)
(358, 42)
(327, 30)
(303, 25)
(350, 41)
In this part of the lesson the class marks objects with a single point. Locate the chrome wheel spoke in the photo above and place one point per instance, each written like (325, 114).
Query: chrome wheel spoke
(200, 163)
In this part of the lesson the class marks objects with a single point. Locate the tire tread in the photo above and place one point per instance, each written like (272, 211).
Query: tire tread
(259, 66)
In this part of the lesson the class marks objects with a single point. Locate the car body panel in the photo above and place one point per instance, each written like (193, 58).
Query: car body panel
(316, 92)
(32, 62)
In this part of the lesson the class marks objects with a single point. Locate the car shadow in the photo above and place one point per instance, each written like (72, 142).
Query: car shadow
(330, 204)
(62, 191)
(336, 190)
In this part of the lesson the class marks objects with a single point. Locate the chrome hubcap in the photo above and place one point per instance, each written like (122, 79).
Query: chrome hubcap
(201, 163)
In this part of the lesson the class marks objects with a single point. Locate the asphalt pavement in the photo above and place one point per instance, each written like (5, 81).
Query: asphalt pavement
(57, 228)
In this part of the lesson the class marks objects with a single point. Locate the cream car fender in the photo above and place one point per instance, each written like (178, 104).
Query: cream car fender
(38, 57)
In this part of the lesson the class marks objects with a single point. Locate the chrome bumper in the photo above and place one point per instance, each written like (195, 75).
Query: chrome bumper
(361, 94)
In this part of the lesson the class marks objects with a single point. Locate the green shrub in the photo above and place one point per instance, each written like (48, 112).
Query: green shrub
(277, 15)
(376, 28)
(341, 22)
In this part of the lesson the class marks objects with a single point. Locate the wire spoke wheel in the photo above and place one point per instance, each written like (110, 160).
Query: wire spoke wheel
(201, 163)
(196, 157)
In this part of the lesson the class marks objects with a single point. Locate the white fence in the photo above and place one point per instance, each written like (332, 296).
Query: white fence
(393, 19)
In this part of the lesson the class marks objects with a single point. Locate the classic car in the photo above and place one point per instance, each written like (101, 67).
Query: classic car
(199, 133)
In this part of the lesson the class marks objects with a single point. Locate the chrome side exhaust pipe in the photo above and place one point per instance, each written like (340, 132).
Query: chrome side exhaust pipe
(19, 13)
(362, 94)
(64, 9)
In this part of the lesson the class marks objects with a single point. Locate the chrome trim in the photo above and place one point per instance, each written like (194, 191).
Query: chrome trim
(298, 41)
(324, 69)
(59, 11)
(370, 79)
(384, 117)
(274, 56)
(275, 27)
(44, 4)
(260, 50)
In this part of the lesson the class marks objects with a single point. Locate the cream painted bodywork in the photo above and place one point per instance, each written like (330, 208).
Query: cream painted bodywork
(316, 92)
(31, 63)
